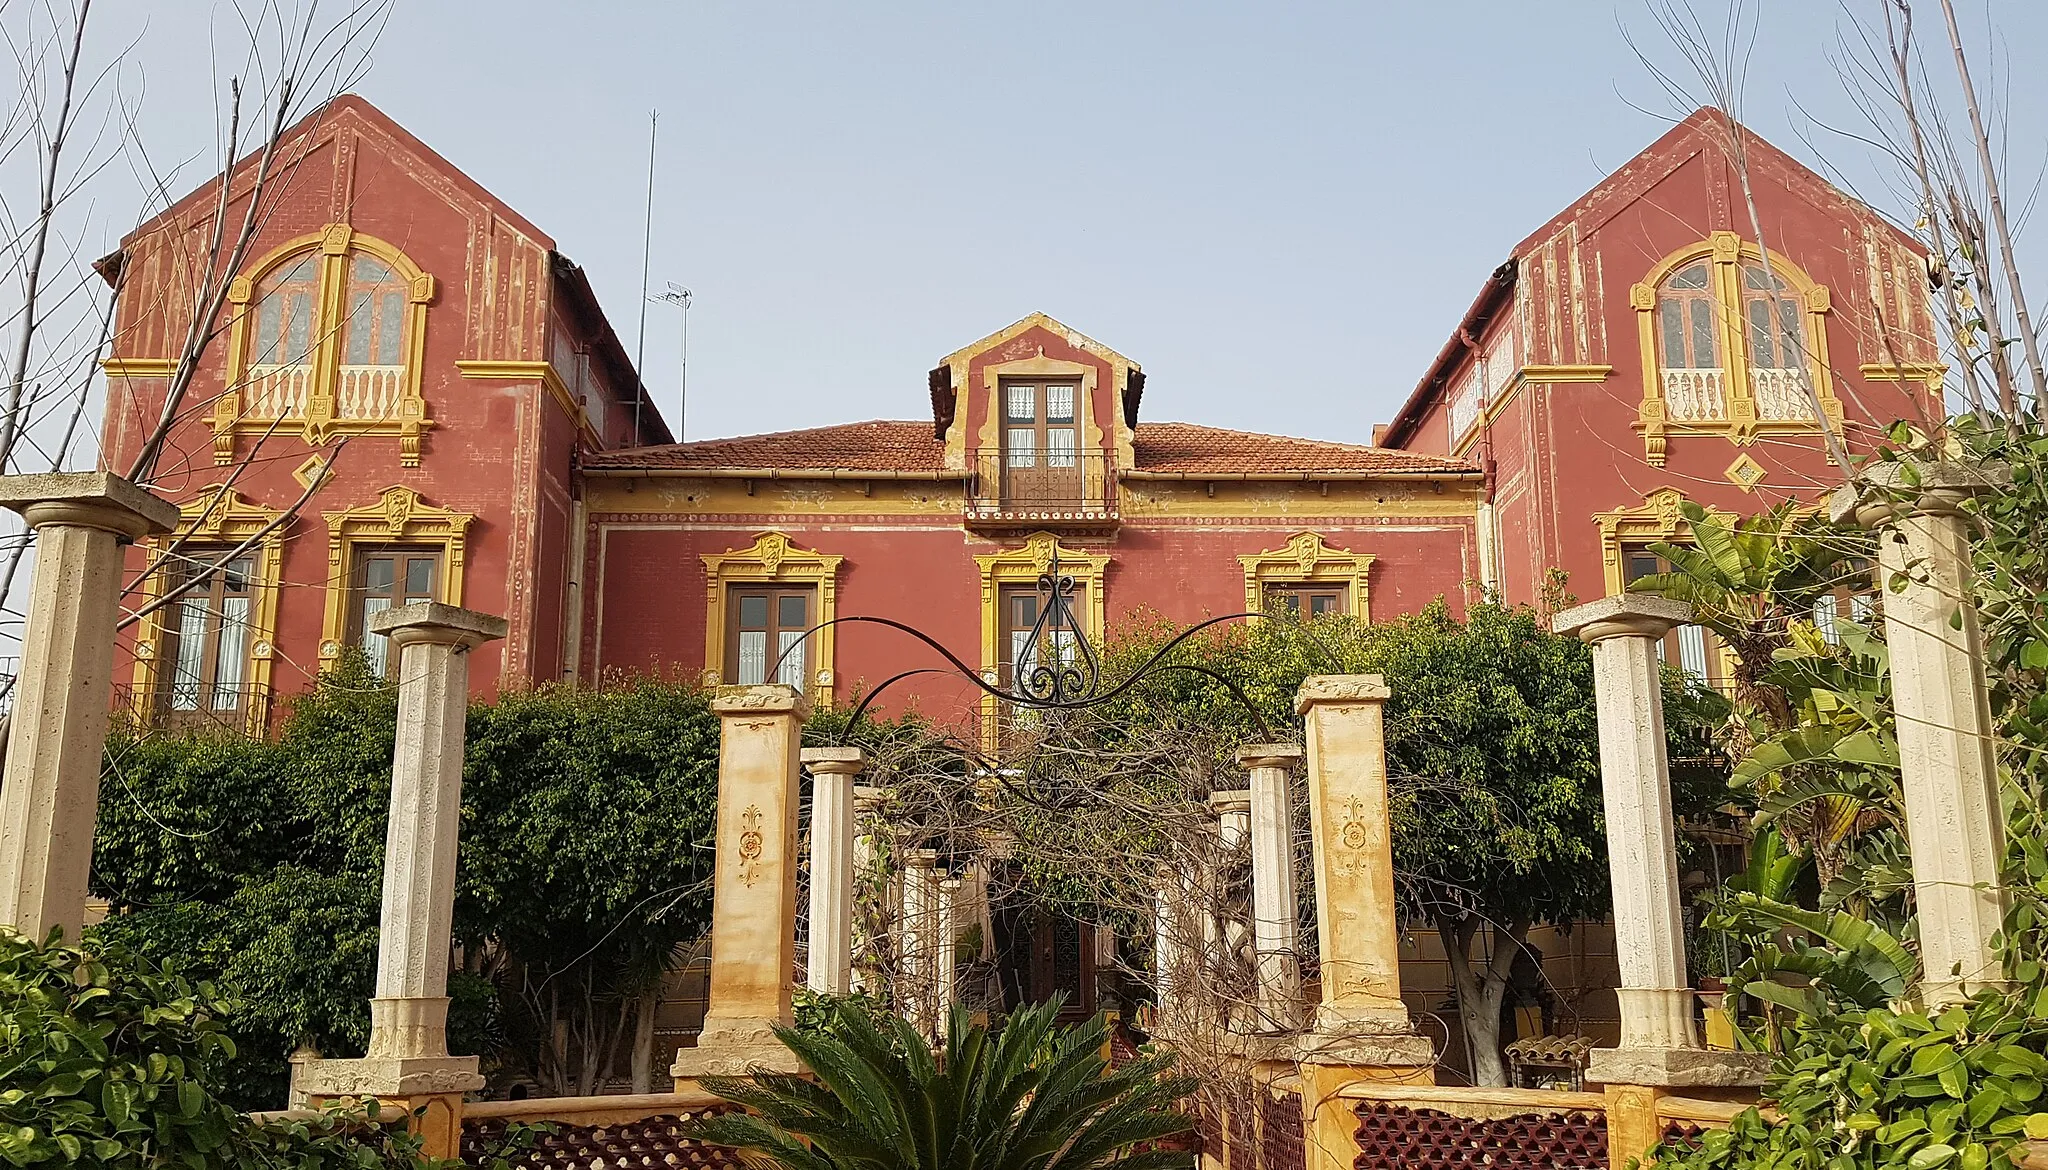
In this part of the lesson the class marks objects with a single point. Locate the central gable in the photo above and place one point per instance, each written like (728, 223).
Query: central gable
(967, 387)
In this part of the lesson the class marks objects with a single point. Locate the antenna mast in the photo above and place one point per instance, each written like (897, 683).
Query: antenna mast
(646, 250)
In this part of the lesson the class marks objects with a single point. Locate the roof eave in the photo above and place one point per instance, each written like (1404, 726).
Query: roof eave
(1296, 476)
(767, 473)
(1498, 288)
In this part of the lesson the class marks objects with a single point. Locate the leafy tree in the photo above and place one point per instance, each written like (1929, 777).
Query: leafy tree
(260, 864)
(1030, 1097)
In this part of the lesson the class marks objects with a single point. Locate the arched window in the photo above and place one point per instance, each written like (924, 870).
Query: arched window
(1689, 339)
(373, 337)
(326, 338)
(1730, 348)
(1777, 345)
(282, 341)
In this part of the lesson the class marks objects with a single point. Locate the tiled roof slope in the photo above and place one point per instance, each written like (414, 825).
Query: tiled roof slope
(887, 445)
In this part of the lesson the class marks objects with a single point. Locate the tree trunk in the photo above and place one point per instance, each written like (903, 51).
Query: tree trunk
(643, 1040)
(1481, 986)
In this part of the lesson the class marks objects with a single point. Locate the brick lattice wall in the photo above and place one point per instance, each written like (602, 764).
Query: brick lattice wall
(1391, 1137)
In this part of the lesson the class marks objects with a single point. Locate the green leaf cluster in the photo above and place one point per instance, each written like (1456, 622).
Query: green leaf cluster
(1031, 1096)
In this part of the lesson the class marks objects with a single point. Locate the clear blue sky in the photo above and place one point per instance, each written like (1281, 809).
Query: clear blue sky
(1278, 210)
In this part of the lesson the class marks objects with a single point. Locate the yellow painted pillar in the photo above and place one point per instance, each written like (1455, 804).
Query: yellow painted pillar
(753, 893)
(1361, 1030)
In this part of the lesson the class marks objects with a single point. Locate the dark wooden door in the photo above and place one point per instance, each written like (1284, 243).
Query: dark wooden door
(1041, 452)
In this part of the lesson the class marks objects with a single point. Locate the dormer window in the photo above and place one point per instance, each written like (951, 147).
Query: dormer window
(1041, 462)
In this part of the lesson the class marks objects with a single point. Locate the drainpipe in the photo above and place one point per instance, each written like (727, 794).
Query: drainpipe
(1489, 553)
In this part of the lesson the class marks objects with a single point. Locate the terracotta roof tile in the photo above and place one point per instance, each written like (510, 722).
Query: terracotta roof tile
(908, 446)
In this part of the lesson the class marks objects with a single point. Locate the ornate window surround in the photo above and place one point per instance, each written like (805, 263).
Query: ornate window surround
(334, 243)
(1023, 566)
(1034, 369)
(398, 517)
(773, 558)
(1306, 559)
(1728, 252)
(1658, 517)
(218, 515)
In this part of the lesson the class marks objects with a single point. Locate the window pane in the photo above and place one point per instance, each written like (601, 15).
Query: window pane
(269, 331)
(298, 342)
(1692, 277)
(1020, 650)
(1059, 404)
(1762, 346)
(1792, 337)
(791, 610)
(1706, 355)
(367, 270)
(753, 656)
(1023, 445)
(1023, 403)
(1642, 564)
(1824, 618)
(1671, 323)
(358, 329)
(791, 647)
(419, 578)
(753, 611)
(1322, 603)
(235, 577)
(378, 573)
(1862, 607)
(191, 644)
(229, 653)
(376, 647)
(1059, 447)
(1023, 610)
(390, 323)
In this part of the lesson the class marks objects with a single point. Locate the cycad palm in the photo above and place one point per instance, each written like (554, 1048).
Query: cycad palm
(1030, 1097)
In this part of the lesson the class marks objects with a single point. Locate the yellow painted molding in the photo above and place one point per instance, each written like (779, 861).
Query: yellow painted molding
(1305, 559)
(320, 420)
(139, 367)
(543, 372)
(961, 359)
(220, 518)
(773, 558)
(398, 517)
(1727, 253)
(1660, 517)
(1566, 373)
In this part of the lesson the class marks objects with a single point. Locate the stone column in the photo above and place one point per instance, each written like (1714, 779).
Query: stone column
(948, 942)
(1275, 910)
(1948, 762)
(866, 800)
(1221, 933)
(1361, 1030)
(50, 796)
(753, 892)
(408, 1060)
(920, 925)
(1659, 1043)
(831, 948)
(1169, 941)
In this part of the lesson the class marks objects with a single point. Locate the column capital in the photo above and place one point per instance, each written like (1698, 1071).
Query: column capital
(833, 761)
(1896, 489)
(868, 797)
(433, 624)
(921, 859)
(770, 699)
(88, 499)
(1230, 800)
(1269, 755)
(1625, 615)
(1340, 688)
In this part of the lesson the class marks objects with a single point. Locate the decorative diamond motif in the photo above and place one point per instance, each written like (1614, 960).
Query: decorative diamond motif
(1745, 473)
(311, 471)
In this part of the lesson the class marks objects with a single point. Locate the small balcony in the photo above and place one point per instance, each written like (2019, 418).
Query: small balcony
(1040, 489)
(1696, 395)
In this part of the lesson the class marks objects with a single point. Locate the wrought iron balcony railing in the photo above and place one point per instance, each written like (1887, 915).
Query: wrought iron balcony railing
(1039, 487)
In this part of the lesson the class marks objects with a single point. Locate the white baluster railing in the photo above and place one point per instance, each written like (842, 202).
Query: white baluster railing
(1695, 395)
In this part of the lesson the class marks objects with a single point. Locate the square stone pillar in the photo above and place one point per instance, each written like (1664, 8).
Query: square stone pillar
(1276, 933)
(918, 954)
(1223, 935)
(866, 800)
(948, 944)
(831, 945)
(1356, 925)
(1660, 1045)
(753, 889)
(1948, 758)
(408, 1062)
(1171, 942)
(50, 796)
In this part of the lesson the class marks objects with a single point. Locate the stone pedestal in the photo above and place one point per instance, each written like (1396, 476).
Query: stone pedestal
(50, 796)
(831, 945)
(753, 898)
(1275, 910)
(1660, 1045)
(408, 1063)
(1948, 763)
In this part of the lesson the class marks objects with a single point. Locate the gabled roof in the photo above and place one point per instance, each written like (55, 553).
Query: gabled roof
(320, 123)
(1074, 337)
(1701, 130)
(890, 447)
